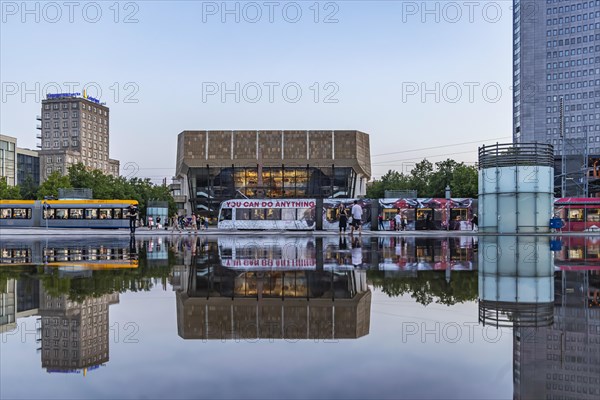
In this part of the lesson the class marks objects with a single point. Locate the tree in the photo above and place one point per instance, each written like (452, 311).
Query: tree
(420, 177)
(28, 189)
(54, 182)
(8, 192)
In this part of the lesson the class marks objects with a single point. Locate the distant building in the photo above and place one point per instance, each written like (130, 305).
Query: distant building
(8, 159)
(556, 54)
(28, 164)
(74, 130)
(218, 165)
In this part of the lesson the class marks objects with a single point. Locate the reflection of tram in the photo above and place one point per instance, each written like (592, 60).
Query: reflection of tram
(268, 253)
(577, 253)
(103, 254)
(65, 213)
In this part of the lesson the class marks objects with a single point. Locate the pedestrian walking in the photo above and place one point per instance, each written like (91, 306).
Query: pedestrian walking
(343, 218)
(132, 211)
(356, 213)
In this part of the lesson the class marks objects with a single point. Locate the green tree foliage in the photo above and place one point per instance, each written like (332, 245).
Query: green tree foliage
(429, 180)
(54, 182)
(110, 187)
(28, 189)
(8, 192)
(429, 286)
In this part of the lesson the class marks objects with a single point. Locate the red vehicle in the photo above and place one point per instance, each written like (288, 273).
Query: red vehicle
(578, 213)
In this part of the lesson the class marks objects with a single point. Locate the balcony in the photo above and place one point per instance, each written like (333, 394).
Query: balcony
(38, 117)
(38, 126)
(175, 186)
(39, 136)
(180, 198)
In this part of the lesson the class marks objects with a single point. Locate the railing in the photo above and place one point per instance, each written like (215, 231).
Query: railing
(510, 155)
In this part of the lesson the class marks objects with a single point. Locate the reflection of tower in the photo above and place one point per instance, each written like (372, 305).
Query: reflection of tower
(562, 360)
(74, 334)
(515, 281)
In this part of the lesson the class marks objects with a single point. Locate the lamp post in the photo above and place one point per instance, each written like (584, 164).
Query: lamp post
(448, 197)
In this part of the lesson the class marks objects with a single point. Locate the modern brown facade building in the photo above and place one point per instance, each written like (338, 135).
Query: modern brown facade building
(74, 130)
(218, 165)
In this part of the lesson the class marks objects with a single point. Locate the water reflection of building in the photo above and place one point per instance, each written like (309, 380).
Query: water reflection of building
(269, 288)
(75, 335)
(19, 298)
(562, 360)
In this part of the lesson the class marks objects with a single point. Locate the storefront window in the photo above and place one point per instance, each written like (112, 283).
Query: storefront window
(576, 214)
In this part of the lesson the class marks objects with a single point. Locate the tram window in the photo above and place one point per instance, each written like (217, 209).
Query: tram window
(226, 214)
(49, 213)
(105, 213)
(242, 214)
(273, 213)
(60, 213)
(576, 214)
(75, 213)
(21, 213)
(258, 214)
(288, 214)
(91, 213)
(5, 213)
(118, 213)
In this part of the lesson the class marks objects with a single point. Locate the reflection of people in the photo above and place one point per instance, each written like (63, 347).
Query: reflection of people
(356, 218)
(132, 249)
(356, 253)
(343, 217)
(132, 210)
(343, 244)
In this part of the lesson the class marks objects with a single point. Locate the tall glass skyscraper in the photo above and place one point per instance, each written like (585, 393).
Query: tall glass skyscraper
(556, 73)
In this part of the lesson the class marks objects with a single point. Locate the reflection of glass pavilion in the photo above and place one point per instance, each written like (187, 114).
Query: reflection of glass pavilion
(516, 285)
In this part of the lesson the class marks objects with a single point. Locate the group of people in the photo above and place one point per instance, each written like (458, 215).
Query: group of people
(356, 213)
(398, 223)
(176, 221)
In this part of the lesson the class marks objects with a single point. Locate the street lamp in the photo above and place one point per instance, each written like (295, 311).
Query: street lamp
(448, 197)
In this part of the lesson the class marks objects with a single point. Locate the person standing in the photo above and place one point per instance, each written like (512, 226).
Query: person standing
(343, 218)
(398, 221)
(194, 222)
(356, 213)
(132, 211)
(381, 227)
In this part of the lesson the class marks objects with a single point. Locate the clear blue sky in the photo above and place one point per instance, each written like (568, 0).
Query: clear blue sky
(374, 58)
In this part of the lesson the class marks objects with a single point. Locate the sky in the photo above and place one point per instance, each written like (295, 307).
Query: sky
(425, 79)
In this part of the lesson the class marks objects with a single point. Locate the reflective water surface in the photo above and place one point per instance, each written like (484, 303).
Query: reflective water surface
(300, 317)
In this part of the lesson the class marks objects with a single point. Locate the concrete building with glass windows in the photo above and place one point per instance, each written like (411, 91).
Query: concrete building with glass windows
(216, 165)
(74, 129)
(556, 60)
(8, 159)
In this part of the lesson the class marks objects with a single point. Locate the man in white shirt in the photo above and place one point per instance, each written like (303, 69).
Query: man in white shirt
(356, 218)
